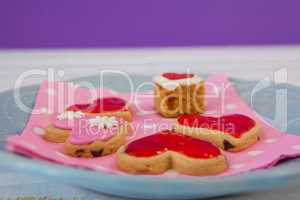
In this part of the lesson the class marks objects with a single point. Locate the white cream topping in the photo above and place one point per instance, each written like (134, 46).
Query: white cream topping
(103, 122)
(69, 115)
(173, 84)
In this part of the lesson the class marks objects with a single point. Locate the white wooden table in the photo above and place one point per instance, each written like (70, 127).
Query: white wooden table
(242, 62)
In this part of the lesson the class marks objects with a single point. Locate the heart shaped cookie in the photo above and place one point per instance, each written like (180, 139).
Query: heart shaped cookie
(110, 106)
(61, 124)
(234, 132)
(165, 150)
(96, 136)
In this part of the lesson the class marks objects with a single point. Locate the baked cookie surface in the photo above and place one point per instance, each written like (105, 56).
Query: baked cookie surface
(230, 132)
(178, 94)
(157, 153)
(96, 136)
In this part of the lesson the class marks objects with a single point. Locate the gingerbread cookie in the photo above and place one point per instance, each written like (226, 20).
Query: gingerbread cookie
(110, 106)
(178, 94)
(157, 153)
(61, 124)
(231, 132)
(96, 136)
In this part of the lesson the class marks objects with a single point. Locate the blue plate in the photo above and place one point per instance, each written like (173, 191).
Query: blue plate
(287, 173)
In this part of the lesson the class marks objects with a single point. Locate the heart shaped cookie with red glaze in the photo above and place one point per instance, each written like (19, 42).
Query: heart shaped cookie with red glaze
(109, 106)
(177, 76)
(234, 132)
(165, 150)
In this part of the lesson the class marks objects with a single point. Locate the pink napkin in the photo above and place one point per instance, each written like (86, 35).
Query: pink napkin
(221, 99)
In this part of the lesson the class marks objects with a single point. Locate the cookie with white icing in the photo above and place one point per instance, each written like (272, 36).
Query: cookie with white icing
(178, 94)
(61, 124)
(96, 136)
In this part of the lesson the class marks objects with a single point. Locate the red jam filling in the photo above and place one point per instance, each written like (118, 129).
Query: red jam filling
(177, 76)
(100, 105)
(169, 141)
(109, 104)
(234, 125)
(81, 107)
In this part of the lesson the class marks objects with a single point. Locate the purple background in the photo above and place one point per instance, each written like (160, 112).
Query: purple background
(135, 23)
